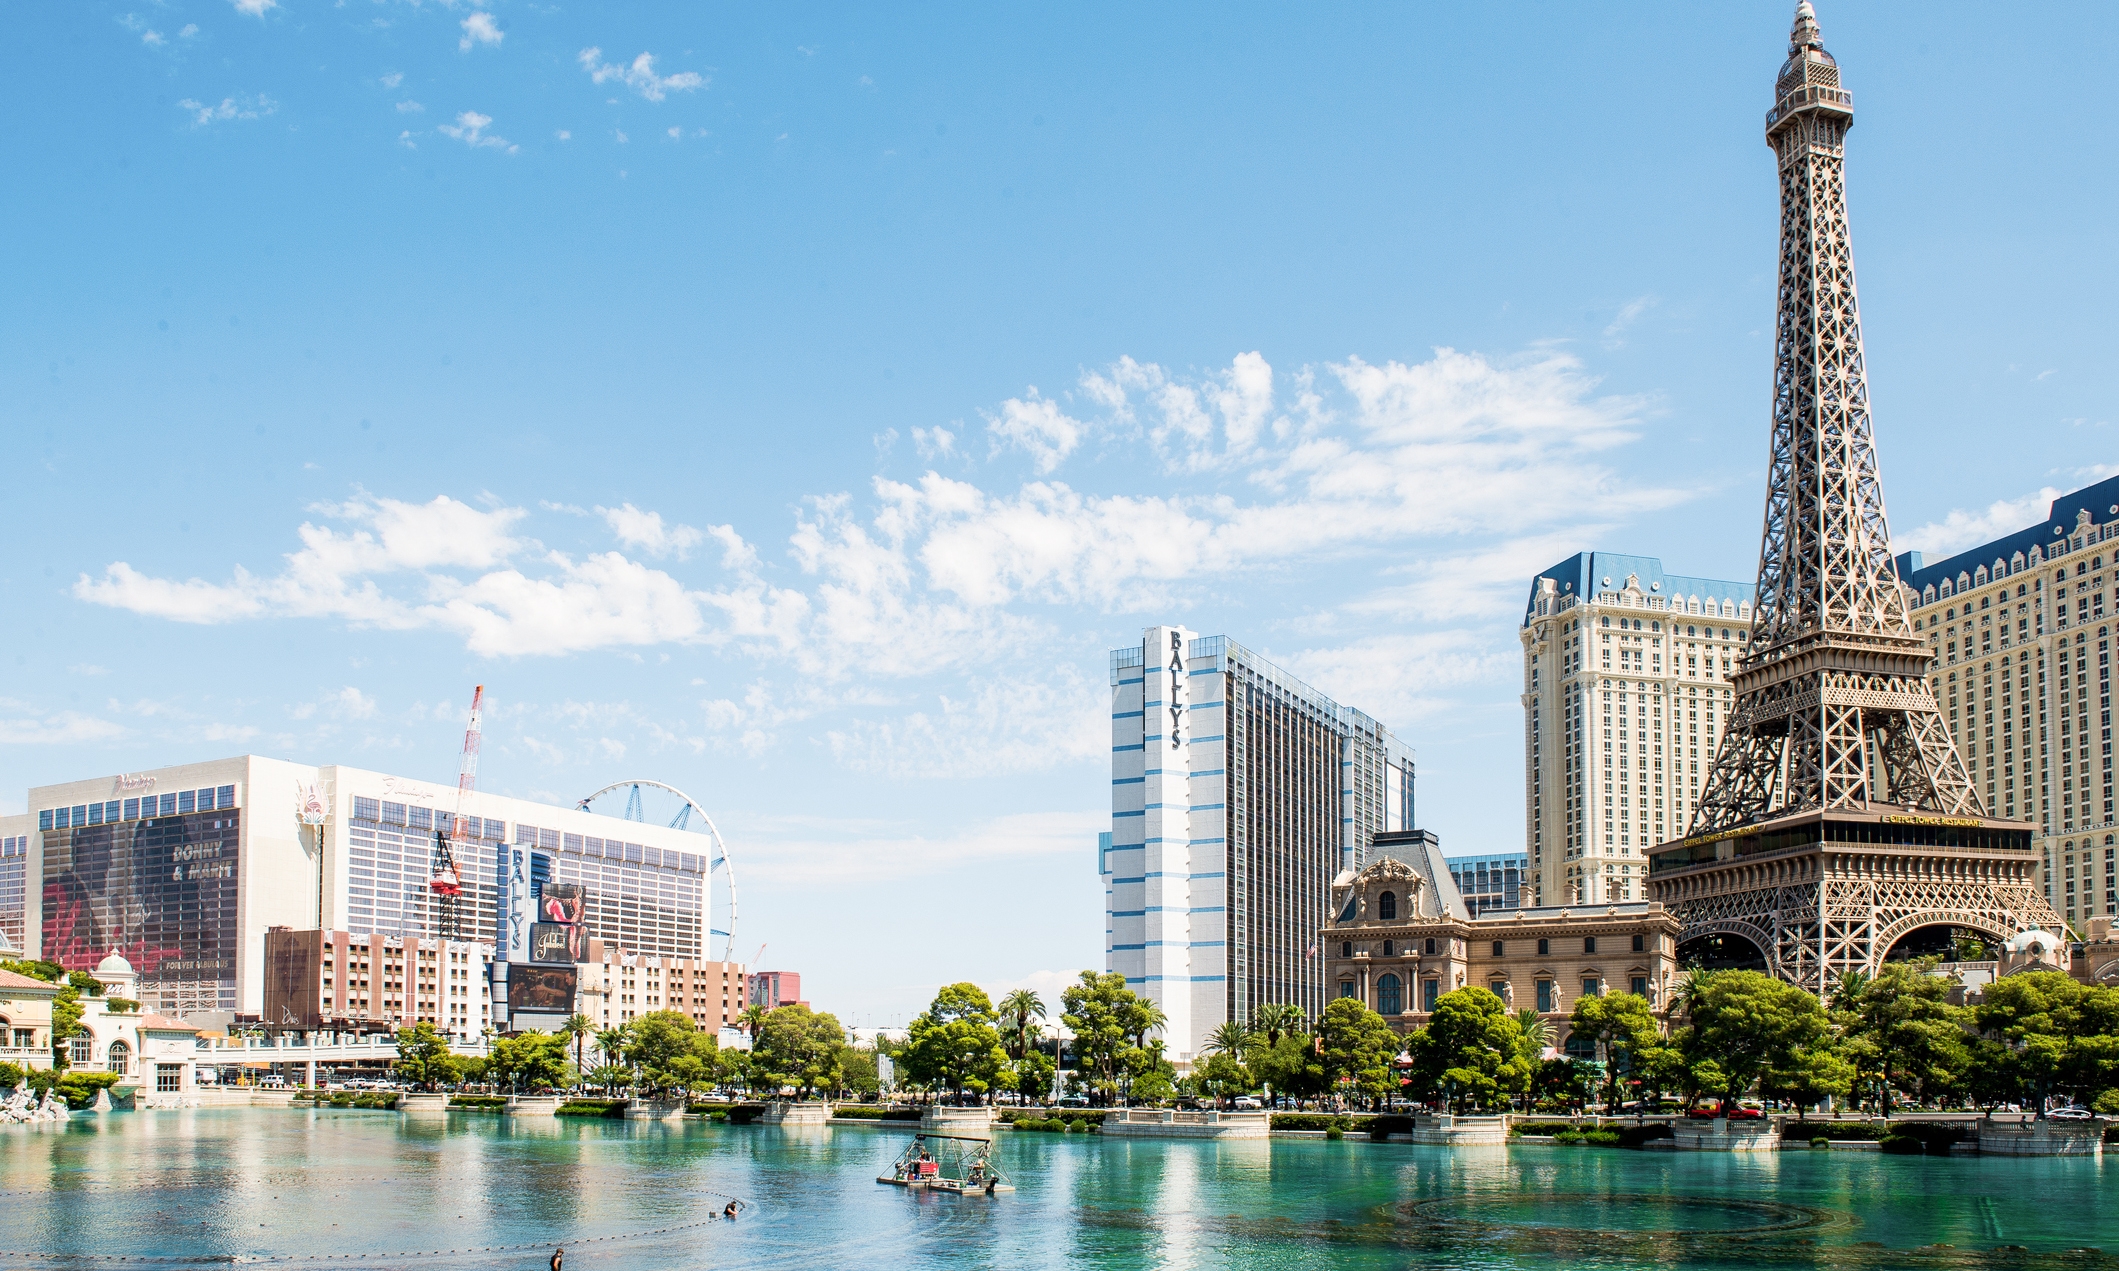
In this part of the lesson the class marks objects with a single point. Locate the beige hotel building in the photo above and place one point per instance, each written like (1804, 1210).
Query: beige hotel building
(1625, 692)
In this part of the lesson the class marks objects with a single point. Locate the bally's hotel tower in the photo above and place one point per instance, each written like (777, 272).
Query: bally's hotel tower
(1238, 793)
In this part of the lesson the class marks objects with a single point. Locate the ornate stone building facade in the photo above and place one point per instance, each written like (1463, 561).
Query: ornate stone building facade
(1402, 936)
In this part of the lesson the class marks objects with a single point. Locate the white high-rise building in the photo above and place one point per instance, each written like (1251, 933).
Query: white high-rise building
(1238, 793)
(1625, 693)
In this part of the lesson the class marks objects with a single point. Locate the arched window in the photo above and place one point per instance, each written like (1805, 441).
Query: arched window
(120, 1058)
(1390, 996)
(80, 1050)
(1387, 905)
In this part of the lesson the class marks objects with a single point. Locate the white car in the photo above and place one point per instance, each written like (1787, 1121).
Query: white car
(2071, 1114)
(1246, 1103)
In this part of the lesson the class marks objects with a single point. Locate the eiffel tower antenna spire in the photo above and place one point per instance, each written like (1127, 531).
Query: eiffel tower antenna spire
(1834, 709)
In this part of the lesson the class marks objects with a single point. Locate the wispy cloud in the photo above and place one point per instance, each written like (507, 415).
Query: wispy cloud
(638, 75)
(470, 128)
(648, 532)
(1629, 313)
(1962, 528)
(480, 27)
(203, 114)
(254, 8)
(24, 725)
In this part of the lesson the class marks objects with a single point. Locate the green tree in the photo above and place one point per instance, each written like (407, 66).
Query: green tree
(1745, 1022)
(1625, 1025)
(753, 1018)
(732, 1069)
(1018, 1008)
(1471, 1050)
(1290, 1067)
(610, 1043)
(1276, 1020)
(529, 1061)
(577, 1029)
(1230, 1038)
(1812, 1075)
(1359, 1045)
(668, 1051)
(1104, 1016)
(954, 1043)
(424, 1058)
(1564, 1082)
(1902, 1022)
(1033, 1074)
(798, 1047)
(1222, 1074)
(2053, 1033)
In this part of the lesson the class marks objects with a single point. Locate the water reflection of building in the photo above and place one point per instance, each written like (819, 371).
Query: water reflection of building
(183, 869)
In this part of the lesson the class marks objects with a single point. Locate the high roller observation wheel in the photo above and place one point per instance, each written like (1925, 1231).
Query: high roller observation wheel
(719, 860)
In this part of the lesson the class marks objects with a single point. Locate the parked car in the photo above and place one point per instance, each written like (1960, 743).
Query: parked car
(2071, 1113)
(1246, 1103)
(1074, 1101)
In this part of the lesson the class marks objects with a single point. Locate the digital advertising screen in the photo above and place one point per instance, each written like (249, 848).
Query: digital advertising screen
(561, 902)
(558, 942)
(544, 990)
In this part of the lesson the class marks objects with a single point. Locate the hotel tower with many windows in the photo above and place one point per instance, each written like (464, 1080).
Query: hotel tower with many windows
(2022, 629)
(1625, 691)
(1238, 794)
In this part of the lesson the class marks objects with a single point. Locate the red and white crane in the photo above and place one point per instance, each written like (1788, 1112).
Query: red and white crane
(447, 880)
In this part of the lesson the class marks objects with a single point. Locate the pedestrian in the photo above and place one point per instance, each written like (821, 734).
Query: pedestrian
(559, 1255)
(728, 1211)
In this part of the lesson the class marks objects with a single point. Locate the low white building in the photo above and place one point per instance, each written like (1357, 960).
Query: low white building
(156, 1056)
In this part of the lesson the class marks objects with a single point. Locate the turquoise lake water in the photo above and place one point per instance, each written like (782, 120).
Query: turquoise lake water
(376, 1189)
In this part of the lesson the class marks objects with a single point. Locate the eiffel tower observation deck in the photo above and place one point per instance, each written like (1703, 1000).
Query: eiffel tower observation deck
(1838, 819)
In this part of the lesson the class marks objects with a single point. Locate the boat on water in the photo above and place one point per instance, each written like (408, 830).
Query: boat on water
(948, 1163)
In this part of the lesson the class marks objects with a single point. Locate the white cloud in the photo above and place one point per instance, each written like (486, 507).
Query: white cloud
(409, 108)
(354, 704)
(393, 79)
(1001, 726)
(152, 39)
(190, 29)
(564, 135)
(404, 139)
(24, 725)
(88, 668)
(1962, 529)
(645, 530)
(1036, 424)
(1447, 463)
(480, 28)
(1629, 313)
(254, 8)
(470, 128)
(933, 443)
(639, 75)
(229, 108)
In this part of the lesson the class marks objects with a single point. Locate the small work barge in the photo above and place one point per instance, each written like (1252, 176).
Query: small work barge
(948, 1163)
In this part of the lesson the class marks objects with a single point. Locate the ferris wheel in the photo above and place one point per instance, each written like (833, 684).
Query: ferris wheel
(660, 803)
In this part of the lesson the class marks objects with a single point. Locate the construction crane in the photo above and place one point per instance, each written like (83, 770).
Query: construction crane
(447, 880)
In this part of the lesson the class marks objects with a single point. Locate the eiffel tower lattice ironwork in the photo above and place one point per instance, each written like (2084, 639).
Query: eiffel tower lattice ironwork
(1837, 818)
(1833, 704)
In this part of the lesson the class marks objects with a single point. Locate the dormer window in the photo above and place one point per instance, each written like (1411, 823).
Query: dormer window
(1387, 905)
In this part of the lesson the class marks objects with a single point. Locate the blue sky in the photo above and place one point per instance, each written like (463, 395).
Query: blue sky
(796, 405)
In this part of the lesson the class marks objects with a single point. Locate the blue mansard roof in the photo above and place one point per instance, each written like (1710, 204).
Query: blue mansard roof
(1584, 574)
(2100, 501)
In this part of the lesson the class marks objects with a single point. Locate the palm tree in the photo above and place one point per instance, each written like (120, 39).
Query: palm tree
(1024, 1006)
(1231, 1039)
(1537, 1030)
(1277, 1020)
(578, 1027)
(753, 1018)
(611, 1042)
(1151, 1017)
(1847, 988)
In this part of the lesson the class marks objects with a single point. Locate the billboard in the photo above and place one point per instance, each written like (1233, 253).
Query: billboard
(541, 990)
(558, 942)
(515, 890)
(561, 902)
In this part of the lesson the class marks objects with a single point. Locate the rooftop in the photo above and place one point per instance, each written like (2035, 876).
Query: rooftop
(2099, 503)
(1586, 574)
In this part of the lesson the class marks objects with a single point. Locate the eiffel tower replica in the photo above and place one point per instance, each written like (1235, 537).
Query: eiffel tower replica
(1838, 818)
